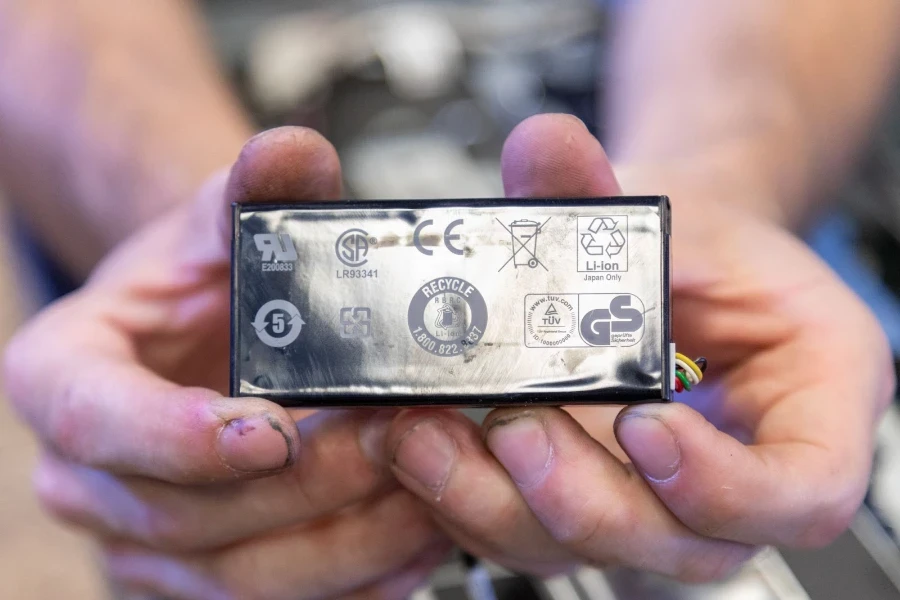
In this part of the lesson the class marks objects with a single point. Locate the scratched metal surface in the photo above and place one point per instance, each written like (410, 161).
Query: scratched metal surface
(359, 318)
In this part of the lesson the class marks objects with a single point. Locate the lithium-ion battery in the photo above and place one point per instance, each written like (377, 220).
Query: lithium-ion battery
(467, 302)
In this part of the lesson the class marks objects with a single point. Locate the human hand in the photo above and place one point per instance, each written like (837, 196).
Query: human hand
(775, 448)
(192, 494)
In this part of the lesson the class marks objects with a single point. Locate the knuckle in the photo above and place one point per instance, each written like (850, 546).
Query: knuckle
(706, 566)
(492, 523)
(414, 518)
(830, 517)
(592, 529)
(164, 531)
(240, 572)
(60, 494)
(307, 495)
(67, 423)
(722, 515)
(69, 514)
(16, 368)
(50, 499)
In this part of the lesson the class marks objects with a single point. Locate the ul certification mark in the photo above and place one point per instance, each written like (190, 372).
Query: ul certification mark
(447, 315)
(278, 323)
(550, 320)
(602, 244)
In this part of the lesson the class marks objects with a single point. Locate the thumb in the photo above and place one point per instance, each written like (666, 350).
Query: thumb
(787, 493)
(287, 164)
(553, 156)
(168, 282)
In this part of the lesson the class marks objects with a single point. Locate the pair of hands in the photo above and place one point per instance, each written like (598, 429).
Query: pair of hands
(195, 495)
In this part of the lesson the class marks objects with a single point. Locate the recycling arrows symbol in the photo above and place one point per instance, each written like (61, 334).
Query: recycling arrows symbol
(290, 329)
(593, 242)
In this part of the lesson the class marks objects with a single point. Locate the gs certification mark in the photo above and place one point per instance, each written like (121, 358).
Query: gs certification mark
(447, 315)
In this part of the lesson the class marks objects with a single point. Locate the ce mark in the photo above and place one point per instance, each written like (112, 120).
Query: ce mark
(449, 237)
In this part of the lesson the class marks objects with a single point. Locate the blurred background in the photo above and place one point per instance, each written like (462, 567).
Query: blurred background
(419, 107)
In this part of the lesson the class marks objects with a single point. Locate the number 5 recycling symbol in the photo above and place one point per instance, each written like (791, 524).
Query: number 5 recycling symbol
(285, 323)
(603, 237)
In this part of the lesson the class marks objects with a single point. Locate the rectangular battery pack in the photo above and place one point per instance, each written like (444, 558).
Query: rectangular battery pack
(452, 302)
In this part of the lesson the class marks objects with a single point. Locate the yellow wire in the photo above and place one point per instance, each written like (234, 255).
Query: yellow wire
(691, 364)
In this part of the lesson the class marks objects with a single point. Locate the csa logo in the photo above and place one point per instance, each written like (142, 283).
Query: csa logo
(352, 247)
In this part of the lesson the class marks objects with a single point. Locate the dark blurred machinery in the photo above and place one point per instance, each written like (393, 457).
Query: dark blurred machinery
(417, 96)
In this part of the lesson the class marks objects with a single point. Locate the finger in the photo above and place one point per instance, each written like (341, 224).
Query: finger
(556, 156)
(191, 518)
(561, 495)
(440, 456)
(340, 555)
(287, 164)
(107, 413)
(795, 492)
(395, 586)
(74, 373)
(594, 504)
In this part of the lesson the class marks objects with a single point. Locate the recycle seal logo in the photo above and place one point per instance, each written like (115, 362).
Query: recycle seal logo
(447, 316)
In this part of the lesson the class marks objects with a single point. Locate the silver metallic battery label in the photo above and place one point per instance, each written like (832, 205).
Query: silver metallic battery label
(471, 302)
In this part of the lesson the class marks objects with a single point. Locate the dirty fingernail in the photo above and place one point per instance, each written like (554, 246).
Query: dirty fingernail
(426, 453)
(522, 447)
(373, 433)
(255, 444)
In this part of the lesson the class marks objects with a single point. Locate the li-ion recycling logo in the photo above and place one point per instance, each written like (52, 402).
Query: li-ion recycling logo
(603, 237)
(603, 243)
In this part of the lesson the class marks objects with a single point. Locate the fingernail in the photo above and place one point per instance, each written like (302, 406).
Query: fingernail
(651, 444)
(522, 447)
(255, 444)
(372, 435)
(426, 453)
